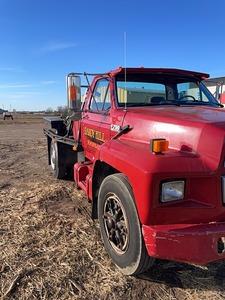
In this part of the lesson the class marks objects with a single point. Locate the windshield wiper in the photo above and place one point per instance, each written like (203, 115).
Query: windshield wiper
(151, 104)
(198, 102)
(175, 103)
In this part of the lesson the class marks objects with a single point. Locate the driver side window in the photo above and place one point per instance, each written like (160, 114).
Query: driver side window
(100, 100)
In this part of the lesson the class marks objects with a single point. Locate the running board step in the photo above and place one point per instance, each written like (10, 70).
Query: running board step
(82, 175)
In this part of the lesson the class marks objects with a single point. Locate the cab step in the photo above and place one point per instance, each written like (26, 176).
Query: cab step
(83, 175)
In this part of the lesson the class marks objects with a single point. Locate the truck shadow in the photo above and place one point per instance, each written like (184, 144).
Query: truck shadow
(181, 275)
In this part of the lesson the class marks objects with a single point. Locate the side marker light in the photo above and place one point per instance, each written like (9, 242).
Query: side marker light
(159, 145)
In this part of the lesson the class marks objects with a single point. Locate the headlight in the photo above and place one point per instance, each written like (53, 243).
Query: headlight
(172, 190)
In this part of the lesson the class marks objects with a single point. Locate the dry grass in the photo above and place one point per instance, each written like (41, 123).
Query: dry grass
(21, 119)
(51, 249)
(48, 253)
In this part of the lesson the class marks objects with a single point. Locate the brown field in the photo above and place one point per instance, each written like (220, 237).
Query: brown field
(51, 249)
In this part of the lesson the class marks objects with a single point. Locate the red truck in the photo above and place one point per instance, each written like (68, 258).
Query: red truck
(147, 146)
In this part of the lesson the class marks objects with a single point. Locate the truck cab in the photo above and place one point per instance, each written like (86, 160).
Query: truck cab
(147, 148)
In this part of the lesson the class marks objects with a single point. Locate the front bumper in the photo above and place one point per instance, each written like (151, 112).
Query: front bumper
(191, 243)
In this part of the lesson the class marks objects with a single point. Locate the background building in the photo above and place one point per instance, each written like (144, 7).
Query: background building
(217, 87)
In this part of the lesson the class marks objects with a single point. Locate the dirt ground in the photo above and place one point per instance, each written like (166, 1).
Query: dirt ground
(51, 249)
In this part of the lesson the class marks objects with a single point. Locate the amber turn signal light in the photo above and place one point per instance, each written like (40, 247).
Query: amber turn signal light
(159, 145)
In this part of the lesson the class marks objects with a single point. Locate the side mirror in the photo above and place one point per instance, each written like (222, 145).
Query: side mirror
(74, 92)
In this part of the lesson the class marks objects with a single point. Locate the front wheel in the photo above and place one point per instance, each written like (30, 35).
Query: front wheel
(120, 226)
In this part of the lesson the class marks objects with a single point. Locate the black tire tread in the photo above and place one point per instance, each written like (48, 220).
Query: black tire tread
(145, 260)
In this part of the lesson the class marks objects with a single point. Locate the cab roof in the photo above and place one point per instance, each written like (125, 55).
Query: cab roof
(158, 71)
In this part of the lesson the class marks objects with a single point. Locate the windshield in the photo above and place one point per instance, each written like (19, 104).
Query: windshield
(169, 91)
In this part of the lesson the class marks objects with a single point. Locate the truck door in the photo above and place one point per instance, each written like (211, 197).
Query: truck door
(96, 120)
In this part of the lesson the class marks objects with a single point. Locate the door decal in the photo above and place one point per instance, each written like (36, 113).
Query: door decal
(94, 136)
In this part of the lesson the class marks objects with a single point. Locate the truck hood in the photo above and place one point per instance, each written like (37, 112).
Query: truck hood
(196, 129)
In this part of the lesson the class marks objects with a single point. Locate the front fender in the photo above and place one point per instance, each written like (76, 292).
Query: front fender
(144, 169)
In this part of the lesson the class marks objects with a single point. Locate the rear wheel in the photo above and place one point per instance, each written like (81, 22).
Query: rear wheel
(120, 226)
(56, 164)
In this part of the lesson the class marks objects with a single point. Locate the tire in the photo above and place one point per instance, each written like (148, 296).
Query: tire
(122, 235)
(57, 166)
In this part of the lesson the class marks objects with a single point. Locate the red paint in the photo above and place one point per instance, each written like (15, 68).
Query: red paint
(222, 98)
(196, 243)
(196, 154)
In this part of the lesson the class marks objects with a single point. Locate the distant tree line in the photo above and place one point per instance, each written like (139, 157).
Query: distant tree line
(61, 110)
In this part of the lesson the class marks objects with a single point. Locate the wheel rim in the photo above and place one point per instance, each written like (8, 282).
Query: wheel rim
(53, 157)
(116, 223)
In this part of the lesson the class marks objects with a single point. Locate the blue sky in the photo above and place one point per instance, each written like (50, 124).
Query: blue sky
(43, 40)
